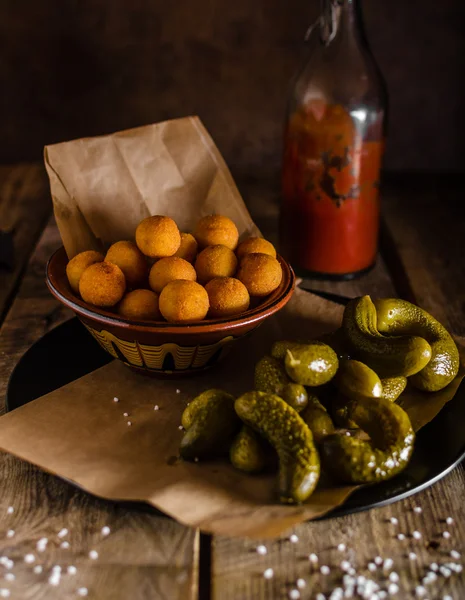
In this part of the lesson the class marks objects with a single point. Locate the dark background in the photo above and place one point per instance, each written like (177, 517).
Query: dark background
(73, 68)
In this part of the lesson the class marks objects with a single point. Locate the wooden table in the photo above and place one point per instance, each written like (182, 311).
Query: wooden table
(148, 556)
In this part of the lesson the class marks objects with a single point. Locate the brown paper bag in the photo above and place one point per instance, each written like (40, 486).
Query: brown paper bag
(102, 187)
(79, 433)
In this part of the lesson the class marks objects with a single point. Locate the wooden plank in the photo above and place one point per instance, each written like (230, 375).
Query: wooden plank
(424, 235)
(146, 554)
(24, 208)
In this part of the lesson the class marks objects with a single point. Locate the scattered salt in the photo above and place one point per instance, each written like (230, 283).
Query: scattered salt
(325, 570)
(394, 521)
(38, 569)
(93, 554)
(178, 391)
(106, 530)
(393, 588)
(268, 573)
(180, 427)
(64, 545)
(54, 578)
(449, 520)
(125, 414)
(416, 535)
(418, 509)
(446, 534)
(196, 459)
(63, 532)
(420, 591)
(294, 539)
(71, 570)
(261, 550)
(341, 547)
(378, 560)
(313, 557)
(5, 593)
(10, 533)
(445, 571)
(320, 596)
(393, 577)
(294, 594)
(372, 567)
(388, 564)
(447, 597)
(434, 567)
(455, 554)
(115, 399)
(10, 510)
(82, 591)
(42, 544)
(156, 407)
(129, 423)
(29, 558)
(10, 577)
(301, 583)
(412, 556)
(400, 536)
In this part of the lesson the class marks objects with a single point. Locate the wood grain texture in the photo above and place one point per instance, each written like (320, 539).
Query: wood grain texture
(145, 556)
(24, 207)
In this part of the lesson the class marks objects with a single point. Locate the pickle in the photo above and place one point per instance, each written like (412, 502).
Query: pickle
(284, 429)
(341, 410)
(270, 376)
(393, 387)
(317, 418)
(311, 364)
(399, 317)
(355, 379)
(395, 356)
(387, 453)
(211, 423)
(248, 452)
(279, 349)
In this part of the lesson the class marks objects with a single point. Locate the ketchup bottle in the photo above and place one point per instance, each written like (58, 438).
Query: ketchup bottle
(333, 148)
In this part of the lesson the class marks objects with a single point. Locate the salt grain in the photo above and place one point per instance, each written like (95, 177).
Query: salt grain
(294, 594)
(10, 577)
(38, 569)
(93, 554)
(320, 596)
(449, 520)
(42, 544)
(82, 591)
(416, 535)
(345, 565)
(4, 593)
(196, 459)
(372, 567)
(301, 583)
(129, 423)
(261, 550)
(63, 532)
(115, 399)
(156, 407)
(313, 557)
(106, 530)
(445, 571)
(178, 391)
(268, 573)
(180, 427)
(125, 414)
(56, 569)
(393, 577)
(378, 560)
(64, 545)
(412, 556)
(54, 579)
(10, 510)
(388, 564)
(71, 570)
(418, 509)
(348, 434)
(400, 536)
(420, 591)
(394, 521)
(382, 594)
(29, 558)
(341, 547)
(293, 539)
(10, 533)
(447, 597)
(455, 554)
(446, 534)
(325, 570)
(434, 566)
(393, 588)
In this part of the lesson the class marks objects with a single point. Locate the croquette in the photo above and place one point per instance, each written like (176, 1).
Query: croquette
(140, 304)
(255, 244)
(215, 261)
(227, 296)
(169, 269)
(102, 284)
(216, 229)
(183, 301)
(77, 265)
(260, 273)
(188, 248)
(158, 237)
(128, 257)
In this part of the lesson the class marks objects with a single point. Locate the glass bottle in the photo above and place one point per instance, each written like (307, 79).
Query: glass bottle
(333, 146)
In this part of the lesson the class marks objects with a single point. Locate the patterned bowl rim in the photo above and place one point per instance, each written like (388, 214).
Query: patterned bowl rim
(58, 285)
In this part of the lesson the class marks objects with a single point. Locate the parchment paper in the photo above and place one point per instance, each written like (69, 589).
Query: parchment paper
(102, 187)
(79, 433)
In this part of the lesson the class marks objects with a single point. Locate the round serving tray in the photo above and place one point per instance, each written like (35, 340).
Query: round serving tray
(439, 447)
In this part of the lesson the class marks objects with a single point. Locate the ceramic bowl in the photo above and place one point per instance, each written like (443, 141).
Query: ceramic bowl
(161, 348)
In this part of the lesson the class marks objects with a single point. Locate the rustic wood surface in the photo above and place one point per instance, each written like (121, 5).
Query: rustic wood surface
(149, 556)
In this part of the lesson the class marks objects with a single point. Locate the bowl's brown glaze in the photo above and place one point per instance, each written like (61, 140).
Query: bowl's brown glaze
(161, 348)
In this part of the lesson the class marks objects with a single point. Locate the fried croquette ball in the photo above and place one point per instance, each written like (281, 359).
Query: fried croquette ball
(260, 273)
(228, 296)
(102, 284)
(140, 304)
(128, 257)
(183, 301)
(169, 269)
(215, 261)
(158, 236)
(188, 248)
(77, 265)
(253, 245)
(213, 230)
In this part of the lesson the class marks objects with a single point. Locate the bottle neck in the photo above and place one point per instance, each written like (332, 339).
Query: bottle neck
(340, 18)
